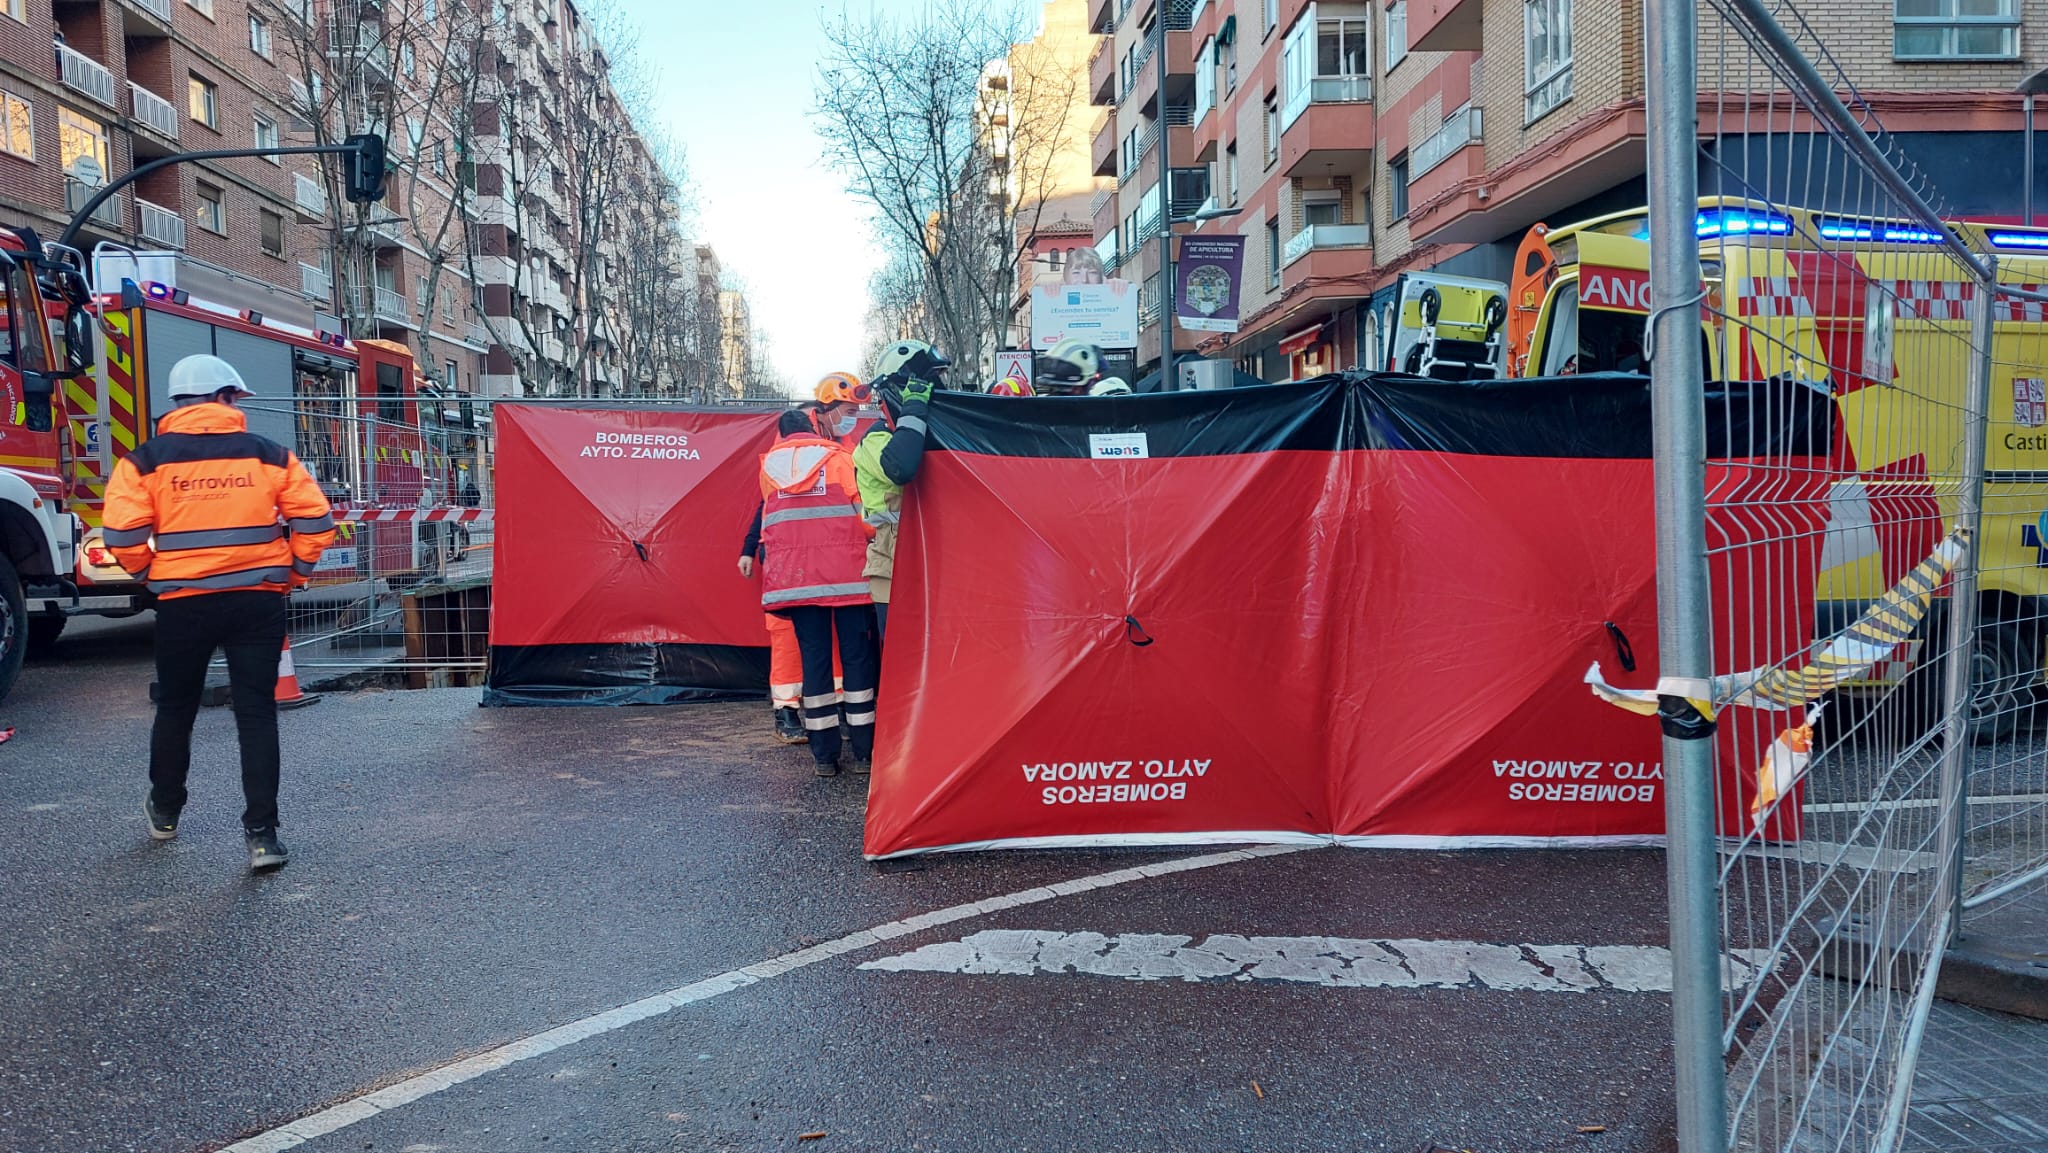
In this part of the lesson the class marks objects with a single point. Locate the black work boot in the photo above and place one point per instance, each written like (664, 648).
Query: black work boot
(789, 727)
(266, 852)
(162, 825)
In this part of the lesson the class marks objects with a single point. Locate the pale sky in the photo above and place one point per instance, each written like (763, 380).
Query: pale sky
(736, 79)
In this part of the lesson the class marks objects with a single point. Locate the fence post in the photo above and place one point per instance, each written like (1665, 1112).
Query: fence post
(1684, 635)
(1962, 613)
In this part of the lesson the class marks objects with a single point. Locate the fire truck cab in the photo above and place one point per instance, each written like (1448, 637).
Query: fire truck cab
(42, 288)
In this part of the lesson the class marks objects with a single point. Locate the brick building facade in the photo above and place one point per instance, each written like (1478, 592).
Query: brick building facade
(90, 89)
(1358, 141)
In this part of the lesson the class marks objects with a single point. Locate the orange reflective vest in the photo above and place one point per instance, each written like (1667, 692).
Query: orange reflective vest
(206, 505)
(814, 541)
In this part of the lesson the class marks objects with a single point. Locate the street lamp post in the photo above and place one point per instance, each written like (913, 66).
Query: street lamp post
(1168, 379)
(2029, 88)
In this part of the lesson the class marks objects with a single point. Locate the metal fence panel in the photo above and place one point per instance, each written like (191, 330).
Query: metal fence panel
(1875, 618)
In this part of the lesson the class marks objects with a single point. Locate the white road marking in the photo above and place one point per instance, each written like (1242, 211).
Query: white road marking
(368, 1105)
(1335, 962)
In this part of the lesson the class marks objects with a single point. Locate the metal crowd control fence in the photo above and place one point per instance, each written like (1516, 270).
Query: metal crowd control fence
(1861, 625)
(404, 592)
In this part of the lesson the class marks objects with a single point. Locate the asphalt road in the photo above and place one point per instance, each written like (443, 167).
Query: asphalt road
(464, 878)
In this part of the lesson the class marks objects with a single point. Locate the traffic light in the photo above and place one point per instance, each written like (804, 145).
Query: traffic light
(365, 168)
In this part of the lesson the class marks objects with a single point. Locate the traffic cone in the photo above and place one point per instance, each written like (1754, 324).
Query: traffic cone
(289, 695)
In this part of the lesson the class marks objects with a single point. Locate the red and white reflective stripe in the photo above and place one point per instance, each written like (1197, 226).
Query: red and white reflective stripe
(1773, 296)
(363, 514)
(1950, 300)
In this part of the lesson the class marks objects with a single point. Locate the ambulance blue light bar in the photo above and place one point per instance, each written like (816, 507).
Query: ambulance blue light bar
(2037, 241)
(1887, 231)
(1736, 222)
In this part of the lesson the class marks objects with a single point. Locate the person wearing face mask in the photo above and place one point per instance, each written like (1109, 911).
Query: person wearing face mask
(841, 396)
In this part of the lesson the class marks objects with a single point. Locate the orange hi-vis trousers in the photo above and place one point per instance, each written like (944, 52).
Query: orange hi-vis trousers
(786, 664)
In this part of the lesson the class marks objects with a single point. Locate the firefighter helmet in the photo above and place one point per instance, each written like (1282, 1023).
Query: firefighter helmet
(1010, 386)
(843, 388)
(1069, 366)
(1110, 386)
(912, 359)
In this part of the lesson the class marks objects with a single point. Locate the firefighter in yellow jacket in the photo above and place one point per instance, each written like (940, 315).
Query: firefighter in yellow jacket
(222, 524)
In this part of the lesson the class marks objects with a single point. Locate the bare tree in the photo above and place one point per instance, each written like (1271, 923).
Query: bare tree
(951, 130)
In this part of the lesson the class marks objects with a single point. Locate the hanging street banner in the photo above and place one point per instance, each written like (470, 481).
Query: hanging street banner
(1205, 293)
(1105, 314)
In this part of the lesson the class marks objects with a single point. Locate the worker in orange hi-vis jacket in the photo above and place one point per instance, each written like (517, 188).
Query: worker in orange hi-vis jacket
(222, 524)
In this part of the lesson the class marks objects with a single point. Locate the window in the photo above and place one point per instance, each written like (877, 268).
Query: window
(203, 101)
(441, 158)
(1397, 187)
(203, 7)
(1272, 254)
(1321, 207)
(422, 299)
(448, 304)
(1272, 130)
(1205, 80)
(1230, 174)
(1547, 56)
(1955, 29)
(1397, 33)
(408, 60)
(211, 212)
(1272, 8)
(272, 228)
(15, 8)
(266, 136)
(454, 376)
(79, 136)
(17, 289)
(17, 126)
(1341, 48)
(259, 36)
(432, 9)
(1228, 51)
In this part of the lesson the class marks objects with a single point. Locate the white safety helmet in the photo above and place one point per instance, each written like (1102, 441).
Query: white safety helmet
(1110, 386)
(202, 375)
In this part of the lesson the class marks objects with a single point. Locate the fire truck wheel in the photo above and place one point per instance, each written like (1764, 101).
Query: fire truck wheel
(2005, 671)
(43, 632)
(13, 625)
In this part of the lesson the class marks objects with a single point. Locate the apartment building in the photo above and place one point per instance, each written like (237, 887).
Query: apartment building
(1352, 142)
(500, 276)
(93, 88)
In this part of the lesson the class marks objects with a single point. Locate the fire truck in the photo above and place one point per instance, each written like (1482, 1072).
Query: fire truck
(1875, 312)
(39, 283)
(351, 409)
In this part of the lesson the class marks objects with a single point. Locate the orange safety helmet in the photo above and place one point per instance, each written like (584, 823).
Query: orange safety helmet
(1011, 386)
(843, 388)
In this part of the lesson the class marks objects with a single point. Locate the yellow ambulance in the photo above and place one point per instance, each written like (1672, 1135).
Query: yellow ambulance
(1878, 313)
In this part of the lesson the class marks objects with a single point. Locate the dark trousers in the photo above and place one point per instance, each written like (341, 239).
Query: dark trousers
(249, 626)
(881, 618)
(815, 625)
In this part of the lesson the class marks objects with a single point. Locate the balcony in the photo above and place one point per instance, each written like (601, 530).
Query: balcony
(154, 21)
(1103, 212)
(1102, 16)
(1103, 150)
(153, 112)
(309, 197)
(1102, 72)
(108, 214)
(361, 44)
(316, 283)
(1445, 25)
(384, 304)
(1317, 237)
(84, 74)
(1460, 130)
(300, 10)
(384, 228)
(160, 225)
(480, 334)
(1329, 138)
(1131, 158)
